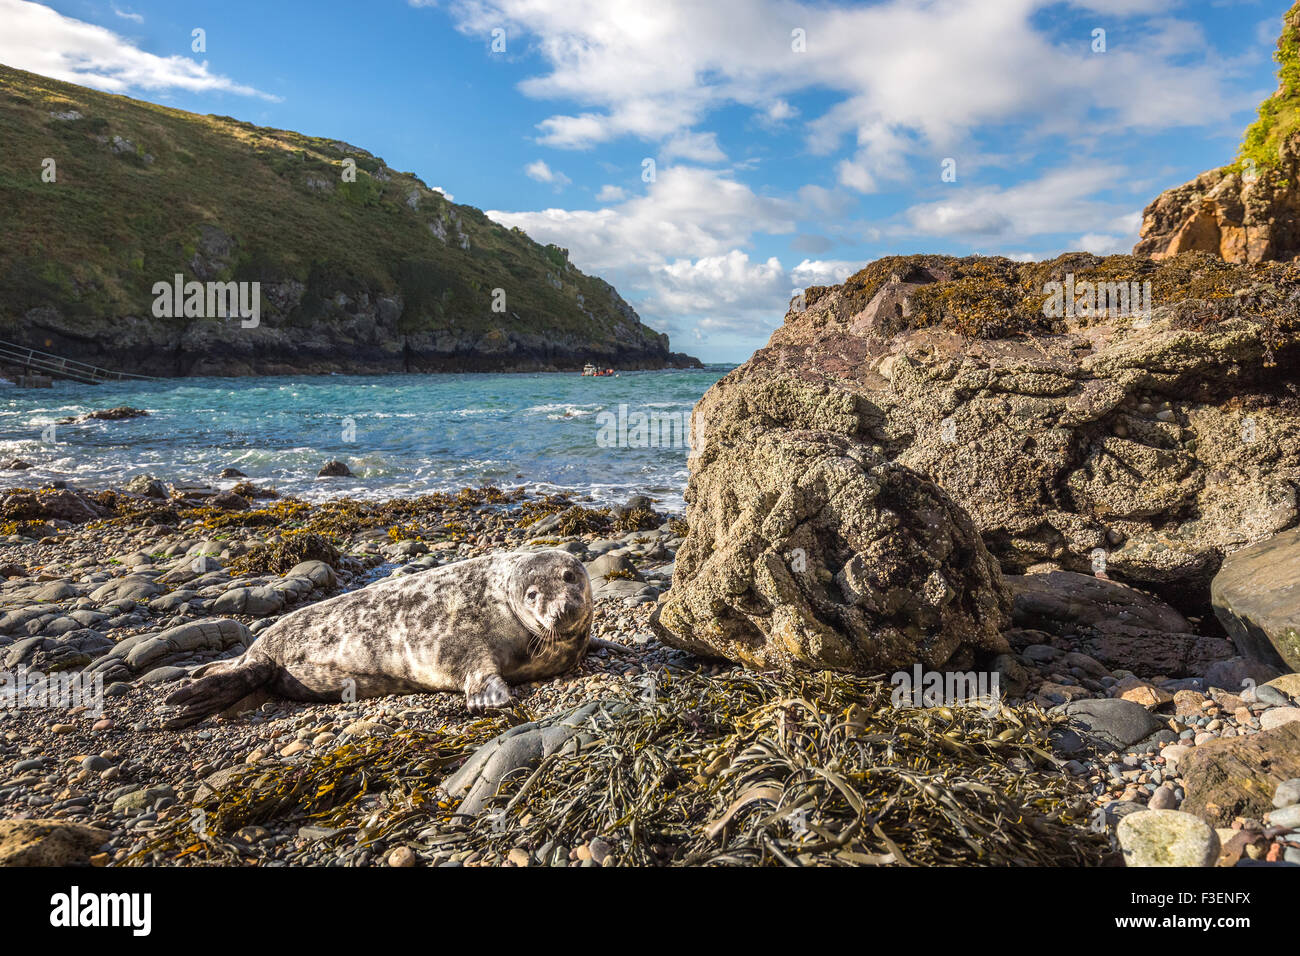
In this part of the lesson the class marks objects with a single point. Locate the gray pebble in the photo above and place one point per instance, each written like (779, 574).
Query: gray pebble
(1287, 793)
(1271, 696)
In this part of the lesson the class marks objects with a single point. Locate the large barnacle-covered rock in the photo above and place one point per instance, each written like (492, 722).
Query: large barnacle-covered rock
(809, 547)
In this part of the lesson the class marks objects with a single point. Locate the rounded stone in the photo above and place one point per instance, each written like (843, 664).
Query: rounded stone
(401, 856)
(1288, 817)
(1163, 798)
(1166, 838)
(1287, 793)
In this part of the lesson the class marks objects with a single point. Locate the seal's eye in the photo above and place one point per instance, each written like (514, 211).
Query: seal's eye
(532, 594)
(568, 577)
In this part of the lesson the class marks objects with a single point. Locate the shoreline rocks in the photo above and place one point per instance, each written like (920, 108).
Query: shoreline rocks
(1238, 777)
(1113, 623)
(1166, 838)
(48, 843)
(138, 605)
(808, 548)
(1246, 211)
(1139, 445)
(119, 413)
(1256, 598)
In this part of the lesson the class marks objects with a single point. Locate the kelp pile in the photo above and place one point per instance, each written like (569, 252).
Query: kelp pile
(337, 518)
(738, 769)
(292, 549)
(331, 789)
(345, 516)
(575, 519)
(437, 516)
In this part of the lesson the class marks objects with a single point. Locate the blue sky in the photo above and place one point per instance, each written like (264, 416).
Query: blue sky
(792, 142)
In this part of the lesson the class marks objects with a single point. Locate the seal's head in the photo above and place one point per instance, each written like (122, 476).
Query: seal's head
(552, 596)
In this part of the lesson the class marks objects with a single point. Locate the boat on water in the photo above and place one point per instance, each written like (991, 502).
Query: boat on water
(590, 369)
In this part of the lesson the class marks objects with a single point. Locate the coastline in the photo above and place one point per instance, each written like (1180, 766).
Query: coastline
(95, 591)
(169, 575)
(401, 436)
(212, 366)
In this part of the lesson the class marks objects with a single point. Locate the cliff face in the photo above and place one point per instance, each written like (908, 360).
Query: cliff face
(1142, 434)
(1248, 211)
(359, 267)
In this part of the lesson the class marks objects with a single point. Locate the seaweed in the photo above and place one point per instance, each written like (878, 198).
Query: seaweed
(635, 519)
(992, 297)
(327, 791)
(292, 549)
(737, 769)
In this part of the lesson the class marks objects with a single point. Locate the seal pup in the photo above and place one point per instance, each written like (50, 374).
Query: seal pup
(472, 626)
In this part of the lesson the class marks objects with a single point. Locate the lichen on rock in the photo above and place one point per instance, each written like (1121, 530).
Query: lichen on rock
(853, 482)
(809, 547)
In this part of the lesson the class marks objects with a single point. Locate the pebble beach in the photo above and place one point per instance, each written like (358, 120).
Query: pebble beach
(161, 585)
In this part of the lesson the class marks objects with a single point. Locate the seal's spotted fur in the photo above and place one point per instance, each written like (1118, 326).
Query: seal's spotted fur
(472, 626)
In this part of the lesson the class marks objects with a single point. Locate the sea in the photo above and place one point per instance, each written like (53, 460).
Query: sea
(601, 437)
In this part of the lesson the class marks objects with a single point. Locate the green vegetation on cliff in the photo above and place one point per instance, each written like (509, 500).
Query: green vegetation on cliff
(1279, 115)
(142, 192)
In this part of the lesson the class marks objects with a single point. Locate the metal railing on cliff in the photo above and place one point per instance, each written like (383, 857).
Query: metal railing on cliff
(58, 366)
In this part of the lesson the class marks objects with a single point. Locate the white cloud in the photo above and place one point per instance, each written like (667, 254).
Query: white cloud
(1122, 8)
(726, 293)
(822, 201)
(1058, 201)
(1129, 224)
(573, 132)
(823, 271)
(907, 75)
(855, 175)
(778, 111)
(539, 171)
(1103, 245)
(126, 14)
(678, 249)
(43, 41)
(1119, 238)
(699, 147)
(439, 189)
(884, 91)
(686, 212)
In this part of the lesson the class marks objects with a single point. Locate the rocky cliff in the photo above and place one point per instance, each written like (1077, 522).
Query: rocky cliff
(1248, 211)
(1078, 427)
(360, 267)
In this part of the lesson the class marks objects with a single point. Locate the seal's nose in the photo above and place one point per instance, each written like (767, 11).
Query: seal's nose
(569, 611)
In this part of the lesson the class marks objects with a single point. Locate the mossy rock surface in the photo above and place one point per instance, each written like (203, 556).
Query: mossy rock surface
(1145, 442)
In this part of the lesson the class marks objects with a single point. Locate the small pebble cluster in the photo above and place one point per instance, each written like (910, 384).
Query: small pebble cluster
(1135, 752)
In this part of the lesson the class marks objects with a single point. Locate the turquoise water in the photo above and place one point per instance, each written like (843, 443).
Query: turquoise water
(400, 434)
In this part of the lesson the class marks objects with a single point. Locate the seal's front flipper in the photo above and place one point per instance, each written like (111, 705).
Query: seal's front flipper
(219, 686)
(486, 692)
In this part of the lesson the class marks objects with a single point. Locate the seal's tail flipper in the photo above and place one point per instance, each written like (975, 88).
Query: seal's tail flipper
(220, 685)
